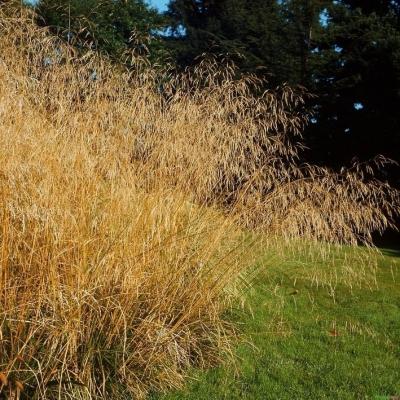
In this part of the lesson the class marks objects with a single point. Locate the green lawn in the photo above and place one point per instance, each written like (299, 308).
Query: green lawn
(299, 343)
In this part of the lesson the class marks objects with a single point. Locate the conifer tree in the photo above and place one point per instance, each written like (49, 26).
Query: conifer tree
(251, 32)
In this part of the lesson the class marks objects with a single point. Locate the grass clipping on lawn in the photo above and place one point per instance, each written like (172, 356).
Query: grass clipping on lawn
(123, 208)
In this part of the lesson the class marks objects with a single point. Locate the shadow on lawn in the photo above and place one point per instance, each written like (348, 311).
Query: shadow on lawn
(391, 252)
(389, 243)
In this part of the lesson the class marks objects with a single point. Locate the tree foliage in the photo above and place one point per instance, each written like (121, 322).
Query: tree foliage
(346, 52)
(356, 75)
(116, 27)
(248, 31)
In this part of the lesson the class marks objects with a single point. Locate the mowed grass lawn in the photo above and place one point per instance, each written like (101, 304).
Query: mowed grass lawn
(299, 343)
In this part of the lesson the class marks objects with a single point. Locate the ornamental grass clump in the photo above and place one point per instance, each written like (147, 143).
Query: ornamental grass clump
(108, 287)
(127, 200)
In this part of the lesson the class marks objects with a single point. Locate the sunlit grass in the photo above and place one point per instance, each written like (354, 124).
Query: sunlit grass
(300, 342)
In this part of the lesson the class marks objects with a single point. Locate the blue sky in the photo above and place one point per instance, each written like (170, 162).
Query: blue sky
(160, 4)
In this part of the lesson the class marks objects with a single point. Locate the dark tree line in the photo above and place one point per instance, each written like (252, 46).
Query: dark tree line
(346, 52)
